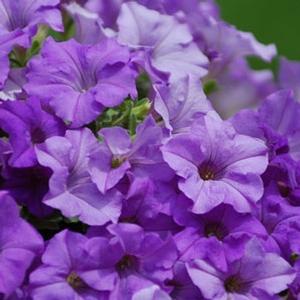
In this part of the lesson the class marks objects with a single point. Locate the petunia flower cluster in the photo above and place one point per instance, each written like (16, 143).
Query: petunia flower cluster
(142, 157)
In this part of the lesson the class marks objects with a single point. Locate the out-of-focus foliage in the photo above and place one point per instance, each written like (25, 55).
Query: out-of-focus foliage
(272, 21)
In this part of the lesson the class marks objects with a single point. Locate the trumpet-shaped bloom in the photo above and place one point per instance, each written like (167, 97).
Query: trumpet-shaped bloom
(19, 20)
(66, 276)
(276, 121)
(127, 264)
(27, 124)
(19, 245)
(223, 223)
(28, 186)
(25, 15)
(180, 103)
(240, 87)
(112, 147)
(257, 272)
(118, 155)
(166, 44)
(133, 260)
(88, 25)
(71, 189)
(289, 74)
(79, 81)
(217, 165)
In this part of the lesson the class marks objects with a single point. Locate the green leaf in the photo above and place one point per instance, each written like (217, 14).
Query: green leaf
(127, 115)
(210, 86)
(143, 85)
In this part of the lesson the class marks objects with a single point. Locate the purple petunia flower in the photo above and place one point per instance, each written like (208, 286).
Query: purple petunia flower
(79, 80)
(257, 272)
(282, 178)
(125, 265)
(28, 186)
(220, 42)
(239, 87)
(289, 74)
(166, 45)
(65, 271)
(19, 244)
(223, 223)
(133, 260)
(280, 214)
(19, 20)
(25, 15)
(71, 189)
(108, 11)
(180, 103)
(181, 285)
(89, 27)
(147, 204)
(276, 122)
(27, 123)
(217, 165)
(113, 145)
(118, 154)
(223, 43)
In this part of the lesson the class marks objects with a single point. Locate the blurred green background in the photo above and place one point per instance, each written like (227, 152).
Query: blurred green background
(271, 21)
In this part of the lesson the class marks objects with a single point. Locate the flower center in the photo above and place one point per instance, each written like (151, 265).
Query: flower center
(207, 172)
(215, 229)
(37, 135)
(283, 189)
(294, 257)
(129, 219)
(176, 286)
(233, 284)
(128, 262)
(75, 281)
(117, 161)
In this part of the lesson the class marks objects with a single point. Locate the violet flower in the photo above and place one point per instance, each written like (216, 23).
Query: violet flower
(216, 165)
(256, 272)
(66, 276)
(134, 260)
(79, 80)
(276, 121)
(27, 123)
(71, 189)
(118, 154)
(26, 15)
(88, 25)
(180, 103)
(19, 22)
(19, 244)
(289, 73)
(222, 223)
(166, 44)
